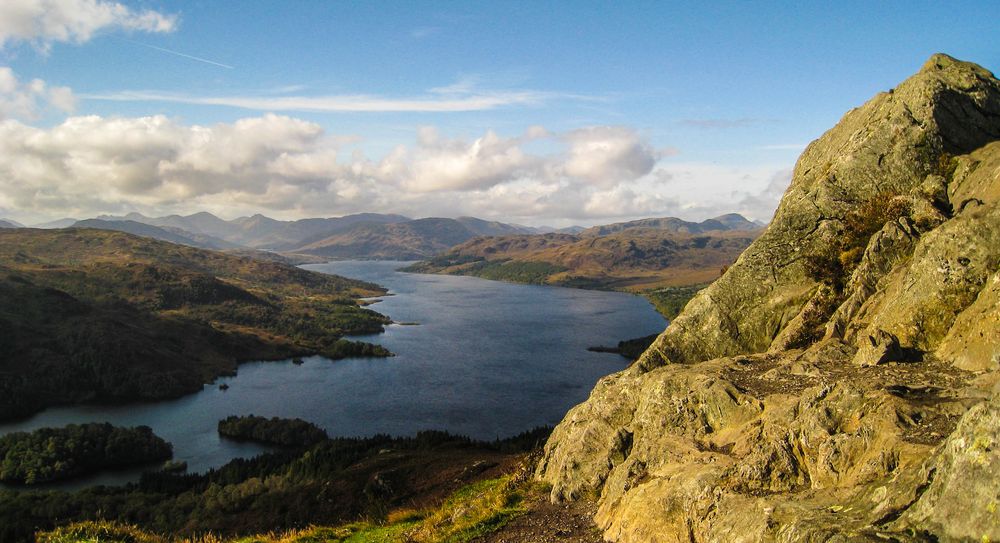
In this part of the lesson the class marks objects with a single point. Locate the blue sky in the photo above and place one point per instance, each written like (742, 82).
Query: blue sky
(534, 112)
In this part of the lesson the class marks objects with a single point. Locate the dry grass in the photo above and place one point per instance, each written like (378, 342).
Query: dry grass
(472, 511)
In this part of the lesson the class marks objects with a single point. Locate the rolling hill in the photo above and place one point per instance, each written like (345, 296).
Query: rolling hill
(722, 223)
(91, 314)
(409, 240)
(166, 233)
(638, 255)
(58, 223)
(257, 231)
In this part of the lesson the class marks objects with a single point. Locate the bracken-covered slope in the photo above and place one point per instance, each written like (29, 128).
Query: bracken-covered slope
(635, 258)
(635, 255)
(837, 383)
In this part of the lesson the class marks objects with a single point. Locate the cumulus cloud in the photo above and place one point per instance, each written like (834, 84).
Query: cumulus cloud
(43, 22)
(607, 155)
(27, 99)
(438, 163)
(92, 162)
(288, 167)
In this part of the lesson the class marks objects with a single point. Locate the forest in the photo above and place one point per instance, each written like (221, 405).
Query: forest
(50, 454)
(91, 315)
(332, 481)
(274, 431)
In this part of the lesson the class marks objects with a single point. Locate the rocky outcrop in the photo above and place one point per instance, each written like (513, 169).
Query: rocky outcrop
(887, 147)
(962, 498)
(835, 383)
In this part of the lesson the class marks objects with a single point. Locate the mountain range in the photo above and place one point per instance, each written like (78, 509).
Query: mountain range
(362, 235)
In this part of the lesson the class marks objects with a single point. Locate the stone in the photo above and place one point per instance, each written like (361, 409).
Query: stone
(962, 499)
(770, 409)
(880, 347)
(887, 146)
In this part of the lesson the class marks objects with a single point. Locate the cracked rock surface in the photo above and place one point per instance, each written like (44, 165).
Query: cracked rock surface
(778, 407)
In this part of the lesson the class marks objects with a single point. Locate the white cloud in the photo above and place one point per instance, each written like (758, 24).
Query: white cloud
(440, 164)
(432, 103)
(465, 94)
(607, 155)
(26, 99)
(761, 205)
(289, 168)
(44, 22)
(424, 32)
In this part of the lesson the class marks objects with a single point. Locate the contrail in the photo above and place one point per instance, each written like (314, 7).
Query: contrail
(199, 59)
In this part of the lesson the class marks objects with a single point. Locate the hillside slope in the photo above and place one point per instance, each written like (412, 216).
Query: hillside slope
(410, 240)
(637, 255)
(166, 233)
(722, 223)
(94, 314)
(837, 382)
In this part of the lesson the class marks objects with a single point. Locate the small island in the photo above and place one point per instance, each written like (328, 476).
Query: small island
(51, 454)
(273, 431)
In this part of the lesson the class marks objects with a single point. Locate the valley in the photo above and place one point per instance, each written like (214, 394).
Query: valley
(499, 272)
(836, 383)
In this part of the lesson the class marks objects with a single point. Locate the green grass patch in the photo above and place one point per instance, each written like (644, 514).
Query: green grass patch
(470, 512)
(669, 301)
(532, 273)
(98, 531)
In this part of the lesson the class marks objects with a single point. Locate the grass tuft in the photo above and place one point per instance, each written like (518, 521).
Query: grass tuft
(472, 511)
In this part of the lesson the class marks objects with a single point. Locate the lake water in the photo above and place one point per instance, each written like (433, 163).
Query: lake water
(487, 359)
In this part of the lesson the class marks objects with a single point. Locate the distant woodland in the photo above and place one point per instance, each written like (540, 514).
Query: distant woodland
(274, 431)
(50, 454)
(332, 481)
(100, 315)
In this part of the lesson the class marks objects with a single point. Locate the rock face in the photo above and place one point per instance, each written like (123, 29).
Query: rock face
(835, 383)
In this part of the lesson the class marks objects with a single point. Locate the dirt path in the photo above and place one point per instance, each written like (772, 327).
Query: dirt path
(545, 522)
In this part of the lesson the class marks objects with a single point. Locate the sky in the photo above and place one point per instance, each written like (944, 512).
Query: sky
(538, 113)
